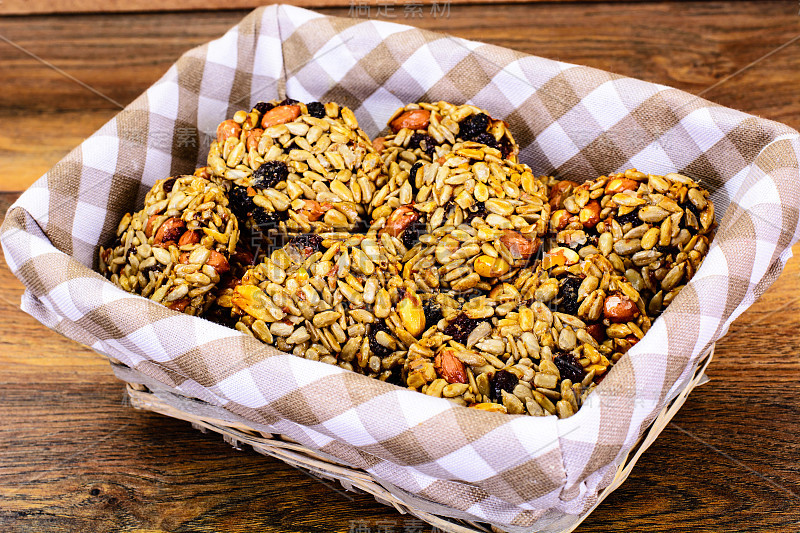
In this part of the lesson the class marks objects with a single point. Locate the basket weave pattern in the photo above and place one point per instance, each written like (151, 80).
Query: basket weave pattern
(238, 432)
(573, 121)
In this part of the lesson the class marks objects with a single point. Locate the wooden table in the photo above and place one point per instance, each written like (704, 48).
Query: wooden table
(74, 457)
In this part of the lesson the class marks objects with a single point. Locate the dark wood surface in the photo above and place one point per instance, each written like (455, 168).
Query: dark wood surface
(29, 7)
(74, 457)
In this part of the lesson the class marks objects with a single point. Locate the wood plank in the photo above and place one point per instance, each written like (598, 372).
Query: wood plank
(26, 155)
(75, 458)
(29, 7)
(121, 56)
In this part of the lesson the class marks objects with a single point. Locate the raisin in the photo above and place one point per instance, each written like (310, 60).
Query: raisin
(505, 147)
(243, 255)
(430, 148)
(268, 219)
(241, 203)
(489, 140)
(262, 107)
(269, 174)
(461, 327)
(473, 126)
(418, 139)
(222, 316)
(691, 207)
(395, 378)
(157, 267)
(592, 232)
(359, 226)
(433, 312)
(316, 109)
(503, 380)
(668, 250)
(287, 101)
(478, 210)
(307, 243)
(152, 268)
(569, 295)
(597, 331)
(632, 217)
(168, 185)
(412, 177)
(570, 367)
(374, 346)
(409, 237)
(412, 174)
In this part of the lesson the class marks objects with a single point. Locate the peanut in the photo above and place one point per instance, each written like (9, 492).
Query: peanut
(313, 210)
(218, 261)
(148, 228)
(249, 298)
(253, 136)
(590, 214)
(619, 309)
(400, 219)
(226, 129)
(189, 237)
(490, 267)
(415, 119)
(560, 256)
(491, 407)
(411, 314)
(280, 115)
(559, 192)
(179, 305)
(559, 219)
(617, 185)
(169, 232)
(449, 367)
(203, 172)
(519, 245)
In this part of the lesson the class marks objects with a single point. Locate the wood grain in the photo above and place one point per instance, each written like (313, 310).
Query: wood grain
(691, 46)
(29, 7)
(73, 457)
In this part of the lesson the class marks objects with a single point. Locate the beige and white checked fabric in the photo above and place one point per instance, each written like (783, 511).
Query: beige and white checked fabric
(573, 121)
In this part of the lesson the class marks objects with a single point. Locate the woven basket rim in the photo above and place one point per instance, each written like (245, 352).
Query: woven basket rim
(25, 218)
(296, 454)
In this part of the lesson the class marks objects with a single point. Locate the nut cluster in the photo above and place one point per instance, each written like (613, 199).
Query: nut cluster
(332, 298)
(175, 250)
(430, 258)
(476, 218)
(655, 230)
(426, 131)
(296, 168)
(538, 346)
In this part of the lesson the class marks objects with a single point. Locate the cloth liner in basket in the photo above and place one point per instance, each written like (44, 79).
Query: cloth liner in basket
(572, 121)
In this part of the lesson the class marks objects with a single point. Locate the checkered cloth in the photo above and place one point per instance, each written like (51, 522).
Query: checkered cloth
(572, 121)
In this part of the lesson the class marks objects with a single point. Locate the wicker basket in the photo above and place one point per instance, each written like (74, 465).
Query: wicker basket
(147, 394)
(569, 121)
